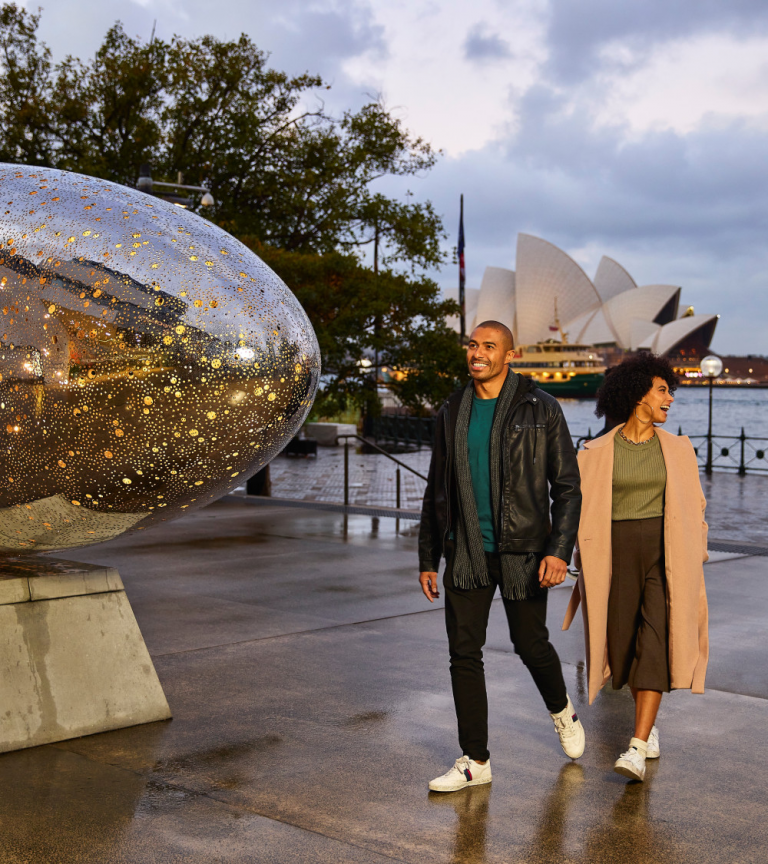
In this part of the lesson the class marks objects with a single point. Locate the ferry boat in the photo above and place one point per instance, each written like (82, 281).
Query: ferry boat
(560, 367)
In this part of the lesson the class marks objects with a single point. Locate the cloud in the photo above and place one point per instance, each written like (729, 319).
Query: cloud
(480, 45)
(300, 36)
(577, 33)
(636, 129)
(711, 78)
(455, 103)
(679, 209)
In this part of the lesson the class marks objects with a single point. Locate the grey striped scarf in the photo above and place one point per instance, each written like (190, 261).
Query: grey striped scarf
(519, 572)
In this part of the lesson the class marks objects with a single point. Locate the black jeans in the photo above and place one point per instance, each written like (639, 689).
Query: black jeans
(466, 619)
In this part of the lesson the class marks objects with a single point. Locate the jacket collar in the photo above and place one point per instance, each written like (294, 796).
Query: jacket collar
(525, 386)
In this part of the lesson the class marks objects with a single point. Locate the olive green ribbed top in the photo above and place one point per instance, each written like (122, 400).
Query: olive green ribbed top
(639, 480)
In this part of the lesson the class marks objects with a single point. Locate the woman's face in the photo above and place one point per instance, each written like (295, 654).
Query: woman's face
(653, 407)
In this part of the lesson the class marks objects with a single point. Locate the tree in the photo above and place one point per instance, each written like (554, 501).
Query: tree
(281, 169)
(213, 109)
(343, 299)
(25, 86)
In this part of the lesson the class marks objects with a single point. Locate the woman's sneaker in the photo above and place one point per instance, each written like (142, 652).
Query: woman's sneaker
(570, 731)
(465, 772)
(653, 751)
(631, 764)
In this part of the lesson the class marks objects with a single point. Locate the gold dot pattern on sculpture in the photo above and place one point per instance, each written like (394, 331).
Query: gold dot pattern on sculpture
(148, 361)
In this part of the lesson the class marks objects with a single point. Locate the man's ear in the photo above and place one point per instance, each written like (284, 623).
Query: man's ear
(511, 354)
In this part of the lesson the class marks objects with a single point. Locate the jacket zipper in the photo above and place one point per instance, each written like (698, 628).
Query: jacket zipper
(503, 458)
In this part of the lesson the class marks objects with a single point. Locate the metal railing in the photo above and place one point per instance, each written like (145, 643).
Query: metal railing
(740, 453)
(400, 429)
(376, 447)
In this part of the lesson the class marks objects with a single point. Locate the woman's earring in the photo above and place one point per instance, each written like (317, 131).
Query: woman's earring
(640, 419)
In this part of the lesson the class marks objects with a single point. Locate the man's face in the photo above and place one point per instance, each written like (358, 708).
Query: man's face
(488, 353)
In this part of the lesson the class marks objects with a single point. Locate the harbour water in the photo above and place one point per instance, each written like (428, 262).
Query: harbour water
(732, 409)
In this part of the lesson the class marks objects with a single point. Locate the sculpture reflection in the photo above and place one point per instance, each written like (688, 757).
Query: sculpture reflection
(149, 361)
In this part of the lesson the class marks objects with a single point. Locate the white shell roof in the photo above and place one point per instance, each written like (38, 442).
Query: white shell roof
(613, 310)
(598, 331)
(642, 334)
(497, 297)
(645, 302)
(670, 335)
(546, 273)
(612, 279)
(576, 327)
(471, 296)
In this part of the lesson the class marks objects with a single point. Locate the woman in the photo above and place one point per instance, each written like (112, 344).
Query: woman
(642, 541)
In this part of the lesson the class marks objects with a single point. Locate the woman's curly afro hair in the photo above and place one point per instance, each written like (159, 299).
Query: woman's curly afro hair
(626, 384)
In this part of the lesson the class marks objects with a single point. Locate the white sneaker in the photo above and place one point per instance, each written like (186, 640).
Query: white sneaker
(653, 751)
(465, 772)
(571, 732)
(631, 764)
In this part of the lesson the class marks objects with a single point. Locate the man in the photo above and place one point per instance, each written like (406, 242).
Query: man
(502, 449)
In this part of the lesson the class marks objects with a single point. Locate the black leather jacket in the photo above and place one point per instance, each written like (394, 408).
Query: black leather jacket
(539, 462)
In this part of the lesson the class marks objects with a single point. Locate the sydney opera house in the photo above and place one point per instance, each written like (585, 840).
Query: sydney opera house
(610, 311)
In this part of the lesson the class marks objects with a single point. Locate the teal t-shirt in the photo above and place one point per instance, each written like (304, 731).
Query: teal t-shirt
(478, 450)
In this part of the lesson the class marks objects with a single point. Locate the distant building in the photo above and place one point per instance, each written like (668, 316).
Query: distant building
(744, 370)
(610, 312)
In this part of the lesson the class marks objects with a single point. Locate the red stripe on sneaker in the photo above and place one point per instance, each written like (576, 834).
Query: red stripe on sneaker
(467, 773)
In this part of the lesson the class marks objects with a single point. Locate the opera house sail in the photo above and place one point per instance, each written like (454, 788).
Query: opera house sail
(562, 320)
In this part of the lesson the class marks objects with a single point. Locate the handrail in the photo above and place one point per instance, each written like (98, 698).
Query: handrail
(743, 463)
(384, 452)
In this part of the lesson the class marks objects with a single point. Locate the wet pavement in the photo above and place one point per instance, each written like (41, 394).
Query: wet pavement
(309, 684)
(736, 505)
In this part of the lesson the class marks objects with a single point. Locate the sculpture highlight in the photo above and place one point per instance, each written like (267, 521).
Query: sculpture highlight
(149, 362)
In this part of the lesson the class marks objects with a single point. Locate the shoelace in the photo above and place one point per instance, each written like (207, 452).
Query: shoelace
(460, 764)
(631, 755)
(565, 725)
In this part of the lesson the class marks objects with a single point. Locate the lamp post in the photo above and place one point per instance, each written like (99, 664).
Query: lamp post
(711, 366)
(146, 184)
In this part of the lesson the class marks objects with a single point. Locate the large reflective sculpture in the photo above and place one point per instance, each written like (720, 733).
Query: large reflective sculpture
(149, 362)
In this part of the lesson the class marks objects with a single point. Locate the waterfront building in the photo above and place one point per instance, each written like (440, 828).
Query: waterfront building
(610, 312)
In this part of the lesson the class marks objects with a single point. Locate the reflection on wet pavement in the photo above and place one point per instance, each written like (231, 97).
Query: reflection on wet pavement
(311, 697)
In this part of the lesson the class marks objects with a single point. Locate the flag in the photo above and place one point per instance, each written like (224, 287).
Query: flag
(462, 271)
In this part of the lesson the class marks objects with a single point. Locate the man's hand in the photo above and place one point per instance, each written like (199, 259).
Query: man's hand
(428, 582)
(552, 571)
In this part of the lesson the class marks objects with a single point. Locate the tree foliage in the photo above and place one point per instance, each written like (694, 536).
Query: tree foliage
(358, 314)
(280, 167)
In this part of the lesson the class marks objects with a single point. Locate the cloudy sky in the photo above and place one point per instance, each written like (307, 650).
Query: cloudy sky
(632, 128)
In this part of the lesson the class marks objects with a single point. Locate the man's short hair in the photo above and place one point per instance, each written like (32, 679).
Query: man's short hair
(502, 328)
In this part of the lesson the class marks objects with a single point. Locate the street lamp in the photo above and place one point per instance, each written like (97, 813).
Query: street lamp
(711, 366)
(145, 183)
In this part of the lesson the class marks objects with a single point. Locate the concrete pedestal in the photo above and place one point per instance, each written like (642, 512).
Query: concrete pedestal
(72, 658)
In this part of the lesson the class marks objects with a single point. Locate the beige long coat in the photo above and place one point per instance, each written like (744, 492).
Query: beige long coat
(685, 550)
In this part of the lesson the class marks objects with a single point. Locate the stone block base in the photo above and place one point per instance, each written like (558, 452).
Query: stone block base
(72, 658)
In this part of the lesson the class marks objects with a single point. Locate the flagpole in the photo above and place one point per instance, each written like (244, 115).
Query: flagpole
(462, 275)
